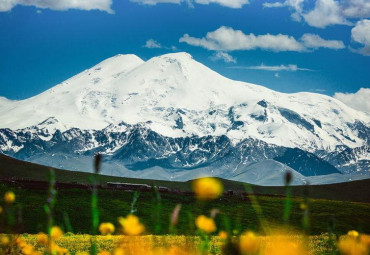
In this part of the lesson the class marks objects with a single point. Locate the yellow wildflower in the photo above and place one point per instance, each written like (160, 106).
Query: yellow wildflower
(206, 224)
(353, 233)
(119, 251)
(106, 228)
(207, 188)
(4, 240)
(284, 245)
(249, 243)
(349, 246)
(174, 250)
(131, 225)
(42, 238)
(365, 239)
(9, 197)
(19, 242)
(56, 232)
(27, 249)
(104, 253)
(56, 249)
(82, 253)
(222, 234)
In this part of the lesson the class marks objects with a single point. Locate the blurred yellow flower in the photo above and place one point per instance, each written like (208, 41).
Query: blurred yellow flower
(1, 209)
(57, 250)
(207, 188)
(27, 249)
(42, 238)
(174, 250)
(106, 228)
(222, 234)
(119, 251)
(19, 242)
(249, 243)
(104, 253)
(365, 239)
(284, 245)
(353, 233)
(9, 197)
(206, 224)
(131, 225)
(4, 240)
(349, 245)
(56, 232)
(82, 253)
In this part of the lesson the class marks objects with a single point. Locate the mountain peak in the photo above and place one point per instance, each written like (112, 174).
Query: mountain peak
(177, 55)
(119, 61)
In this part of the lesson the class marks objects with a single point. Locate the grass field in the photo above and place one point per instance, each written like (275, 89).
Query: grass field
(260, 212)
(75, 203)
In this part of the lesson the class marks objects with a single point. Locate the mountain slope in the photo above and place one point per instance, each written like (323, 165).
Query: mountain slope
(172, 112)
(181, 97)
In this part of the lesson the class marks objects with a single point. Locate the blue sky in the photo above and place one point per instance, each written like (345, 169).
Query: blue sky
(290, 45)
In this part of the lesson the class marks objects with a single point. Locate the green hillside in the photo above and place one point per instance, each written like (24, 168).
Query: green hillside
(74, 203)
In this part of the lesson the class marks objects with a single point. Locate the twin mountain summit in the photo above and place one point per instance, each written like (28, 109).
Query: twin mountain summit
(173, 118)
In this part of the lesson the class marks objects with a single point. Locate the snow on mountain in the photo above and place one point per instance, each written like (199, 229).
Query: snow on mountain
(182, 97)
(171, 97)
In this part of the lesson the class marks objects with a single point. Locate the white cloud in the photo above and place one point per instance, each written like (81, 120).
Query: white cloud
(291, 68)
(356, 8)
(152, 44)
(228, 39)
(359, 100)
(154, 2)
(361, 34)
(314, 41)
(226, 3)
(60, 5)
(326, 12)
(221, 55)
(295, 5)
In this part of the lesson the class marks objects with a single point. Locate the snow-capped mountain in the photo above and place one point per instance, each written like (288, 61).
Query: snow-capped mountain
(174, 113)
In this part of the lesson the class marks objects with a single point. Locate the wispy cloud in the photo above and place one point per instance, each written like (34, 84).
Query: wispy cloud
(60, 5)
(221, 55)
(152, 44)
(227, 3)
(295, 5)
(276, 68)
